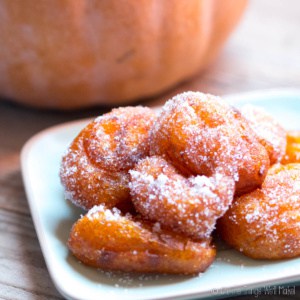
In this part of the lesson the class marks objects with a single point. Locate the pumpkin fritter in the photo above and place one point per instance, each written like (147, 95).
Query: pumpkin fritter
(95, 168)
(201, 134)
(265, 224)
(106, 239)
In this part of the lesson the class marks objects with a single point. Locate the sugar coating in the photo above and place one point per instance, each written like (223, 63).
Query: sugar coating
(270, 133)
(113, 214)
(94, 169)
(120, 138)
(266, 222)
(85, 184)
(202, 135)
(186, 205)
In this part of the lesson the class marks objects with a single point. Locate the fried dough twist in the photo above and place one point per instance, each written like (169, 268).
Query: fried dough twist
(95, 168)
(105, 239)
(200, 134)
(190, 206)
(265, 224)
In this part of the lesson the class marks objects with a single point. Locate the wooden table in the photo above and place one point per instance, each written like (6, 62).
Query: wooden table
(264, 52)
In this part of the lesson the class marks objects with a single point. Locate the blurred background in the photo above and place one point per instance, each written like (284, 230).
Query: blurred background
(263, 52)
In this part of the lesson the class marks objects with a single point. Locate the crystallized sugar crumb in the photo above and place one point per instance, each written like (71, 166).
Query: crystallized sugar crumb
(110, 214)
(156, 227)
(202, 181)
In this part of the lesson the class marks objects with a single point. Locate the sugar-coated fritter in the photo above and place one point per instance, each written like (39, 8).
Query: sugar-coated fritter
(105, 239)
(200, 134)
(269, 132)
(265, 224)
(190, 206)
(292, 153)
(95, 168)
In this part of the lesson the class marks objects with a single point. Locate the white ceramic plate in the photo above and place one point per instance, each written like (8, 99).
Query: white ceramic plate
(231, 273)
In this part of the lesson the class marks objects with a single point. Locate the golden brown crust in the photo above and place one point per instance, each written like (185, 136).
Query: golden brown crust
(265, 224)
(95, 168)
(201, 135)
(292, 152)
(105, 239)
(189, 206)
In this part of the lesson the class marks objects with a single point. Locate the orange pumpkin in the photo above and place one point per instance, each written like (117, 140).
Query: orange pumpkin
(77, 53)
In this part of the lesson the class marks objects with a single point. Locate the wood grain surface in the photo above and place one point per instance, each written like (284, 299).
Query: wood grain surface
(264, 52)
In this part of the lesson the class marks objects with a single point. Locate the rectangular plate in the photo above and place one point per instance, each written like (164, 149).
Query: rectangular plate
(231, 273)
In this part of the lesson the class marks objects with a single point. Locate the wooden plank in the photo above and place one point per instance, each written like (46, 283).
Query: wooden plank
(22, 266)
